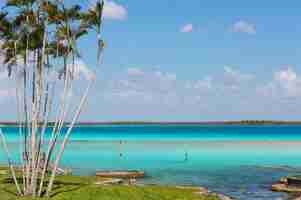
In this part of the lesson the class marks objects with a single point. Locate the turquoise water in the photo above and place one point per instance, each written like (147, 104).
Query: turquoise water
(240, 161)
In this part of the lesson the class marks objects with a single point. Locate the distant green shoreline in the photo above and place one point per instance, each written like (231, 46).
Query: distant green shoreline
(242, 122)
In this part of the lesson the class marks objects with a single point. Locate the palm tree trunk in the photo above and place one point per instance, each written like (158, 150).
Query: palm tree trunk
(26, 124)
(56, 129)
(38, 104)
(42, 142)
(20, 122)
(66, 138)
(12, 170)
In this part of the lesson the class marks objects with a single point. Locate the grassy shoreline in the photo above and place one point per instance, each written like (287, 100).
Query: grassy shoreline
(85, 188)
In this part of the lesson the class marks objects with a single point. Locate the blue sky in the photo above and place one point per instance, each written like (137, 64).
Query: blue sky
(175, 60)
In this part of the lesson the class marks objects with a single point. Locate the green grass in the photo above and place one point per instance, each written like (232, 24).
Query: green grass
(83, 188)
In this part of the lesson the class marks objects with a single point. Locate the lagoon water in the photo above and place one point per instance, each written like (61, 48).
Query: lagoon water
(240, 161)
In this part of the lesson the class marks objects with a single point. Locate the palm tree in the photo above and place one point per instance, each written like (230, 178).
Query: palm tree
(35, 35)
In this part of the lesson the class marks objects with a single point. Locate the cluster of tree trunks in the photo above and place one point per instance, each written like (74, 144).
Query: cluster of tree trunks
(39, 45)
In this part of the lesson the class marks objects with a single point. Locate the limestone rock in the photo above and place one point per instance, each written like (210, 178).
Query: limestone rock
(112, 181)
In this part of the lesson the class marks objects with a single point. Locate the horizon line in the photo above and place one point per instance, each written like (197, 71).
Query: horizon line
(179, 122)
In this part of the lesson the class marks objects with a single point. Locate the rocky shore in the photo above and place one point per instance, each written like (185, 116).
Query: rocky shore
(290, 184)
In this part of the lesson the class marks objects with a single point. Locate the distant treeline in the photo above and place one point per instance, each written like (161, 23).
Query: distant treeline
(263, 122)
(242, 122)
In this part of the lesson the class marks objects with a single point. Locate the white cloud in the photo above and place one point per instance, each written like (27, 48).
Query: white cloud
(285, 83)
(163, 86)
(244, 27)
(144, 86)
(288, 81)
(135, 71)
(187, 28)
(205, 83)
(171, 76)
(146, 93)
(6, 94)
(233, 78)
(114, 11)
(166, 76)
(236, 74)
(287, 75)
(3, 75)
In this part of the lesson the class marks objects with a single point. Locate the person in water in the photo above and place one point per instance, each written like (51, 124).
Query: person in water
(120, 151)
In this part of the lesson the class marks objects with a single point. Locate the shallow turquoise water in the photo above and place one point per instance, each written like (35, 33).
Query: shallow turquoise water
(241, 161)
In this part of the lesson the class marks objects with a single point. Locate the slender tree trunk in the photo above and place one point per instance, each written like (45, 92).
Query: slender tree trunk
(66, 138)
(37, 105)
(11, 167)
(26, 133)
(20, 122)
(57, 127)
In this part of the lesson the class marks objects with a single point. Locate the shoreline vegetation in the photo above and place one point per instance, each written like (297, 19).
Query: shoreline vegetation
(242, 122)
(94, 188)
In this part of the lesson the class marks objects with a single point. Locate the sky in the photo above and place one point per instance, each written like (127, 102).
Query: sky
(196, 60)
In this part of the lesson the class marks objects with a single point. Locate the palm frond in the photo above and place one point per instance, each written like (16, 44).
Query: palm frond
(19, 3)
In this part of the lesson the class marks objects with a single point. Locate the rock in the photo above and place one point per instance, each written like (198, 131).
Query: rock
(121, 174)
(222, 197)
(132, 181)
(205, 191)
(283, 180)
(280, 187)
(294, 181)
(112, 181)
(198, 190)
(290, 184)
(67, 171)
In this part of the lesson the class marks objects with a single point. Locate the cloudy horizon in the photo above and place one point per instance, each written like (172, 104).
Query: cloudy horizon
(199, 62)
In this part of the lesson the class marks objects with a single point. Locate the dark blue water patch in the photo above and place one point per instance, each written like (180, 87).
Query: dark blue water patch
(246, 183)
